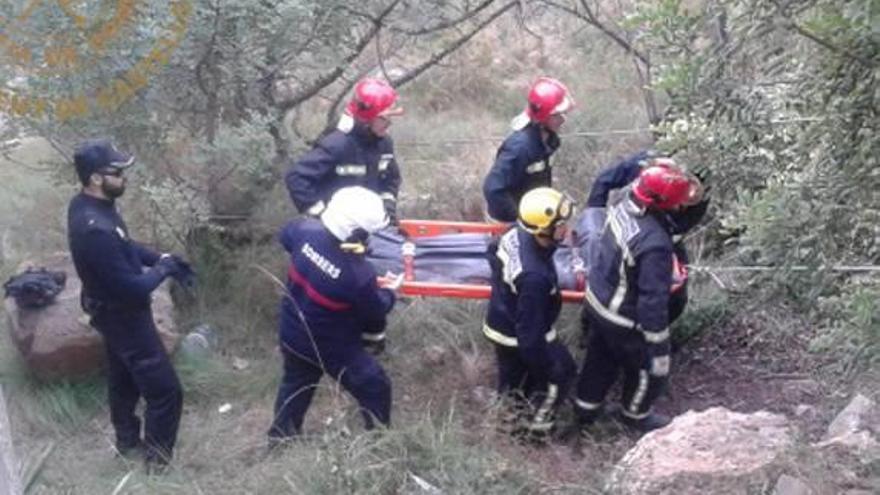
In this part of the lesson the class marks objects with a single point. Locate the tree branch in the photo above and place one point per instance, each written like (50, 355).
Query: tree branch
(440, 26)
(455, 45)
(331, 76)
(590, 18)
(791, 25)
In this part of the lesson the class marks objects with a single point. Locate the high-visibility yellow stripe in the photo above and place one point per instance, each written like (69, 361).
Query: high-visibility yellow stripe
(606, 313)
(542, 416)
(632, 410)
(373, 337)
(536, 167)
(660, 366)
(656, 337)
(508, 341)
(587, 406)
(351, 170)
(635, 416)
(316, 208)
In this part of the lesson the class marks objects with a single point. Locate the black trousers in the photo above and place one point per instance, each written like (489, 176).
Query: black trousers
(138, 366)
(534, 390)
(610, 349)
(355, 369)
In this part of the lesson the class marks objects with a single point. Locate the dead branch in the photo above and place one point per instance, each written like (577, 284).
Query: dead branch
(590, 17)
(332, 75)
(452, 47)
(443, 25)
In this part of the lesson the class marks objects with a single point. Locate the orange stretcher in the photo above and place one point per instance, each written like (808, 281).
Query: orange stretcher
(432, 228)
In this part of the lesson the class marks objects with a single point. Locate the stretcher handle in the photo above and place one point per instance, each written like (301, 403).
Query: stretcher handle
(462, 291)
(432, 228)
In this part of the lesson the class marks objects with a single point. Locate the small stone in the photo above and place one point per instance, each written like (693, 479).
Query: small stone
(804, 410)
(240, 364)
(225, 408)
(434, 355)
(789, 485)
(808, 387)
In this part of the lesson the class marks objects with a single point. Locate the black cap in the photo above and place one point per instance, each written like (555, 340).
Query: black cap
(97, 154)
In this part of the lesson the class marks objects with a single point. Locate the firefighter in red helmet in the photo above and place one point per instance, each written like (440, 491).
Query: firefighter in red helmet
(522, 163)
(627, 301)
(359, 152)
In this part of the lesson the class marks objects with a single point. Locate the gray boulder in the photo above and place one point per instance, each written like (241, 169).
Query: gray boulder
(714, 451)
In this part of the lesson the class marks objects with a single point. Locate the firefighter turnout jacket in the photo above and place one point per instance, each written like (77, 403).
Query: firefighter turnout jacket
(521, 164)
(624, 173)
(525, 300)
(631, 278)
(350, 155)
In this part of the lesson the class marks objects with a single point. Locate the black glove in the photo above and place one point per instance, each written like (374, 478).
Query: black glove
(391, 210)
(184, 275)
(374, 347)
(166, 266)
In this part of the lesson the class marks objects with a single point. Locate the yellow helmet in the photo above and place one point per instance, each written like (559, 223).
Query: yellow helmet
(542, 209)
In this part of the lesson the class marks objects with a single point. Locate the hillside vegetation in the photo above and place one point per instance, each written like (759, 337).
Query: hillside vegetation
(779, 99)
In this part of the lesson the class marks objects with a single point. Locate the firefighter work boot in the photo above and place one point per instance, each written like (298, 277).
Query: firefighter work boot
(651, 422)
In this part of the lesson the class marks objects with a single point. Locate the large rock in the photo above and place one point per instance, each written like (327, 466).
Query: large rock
(855, 430)
(715, 451)
(57, 342)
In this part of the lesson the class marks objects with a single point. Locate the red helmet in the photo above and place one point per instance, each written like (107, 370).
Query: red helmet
(372, 98)
(547, 96)
(664, 186)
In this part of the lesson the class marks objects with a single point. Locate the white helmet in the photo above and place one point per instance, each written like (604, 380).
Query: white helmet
(352, 209)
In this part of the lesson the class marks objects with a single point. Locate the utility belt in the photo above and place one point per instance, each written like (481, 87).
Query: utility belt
(506, 340)
(94, 306)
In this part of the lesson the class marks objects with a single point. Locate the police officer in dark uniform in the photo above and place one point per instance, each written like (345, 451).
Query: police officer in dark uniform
(522, 162)
(358, 153)
(533, 366)
(627, 301)
(116, 294)
(333, 311)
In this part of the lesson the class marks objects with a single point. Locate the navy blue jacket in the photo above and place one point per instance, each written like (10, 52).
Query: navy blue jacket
(109, 263)
(626, 171)
(521, 164)
(631, 274)
(341, 159)
(615, 177)
(335, 291)
(525, 300)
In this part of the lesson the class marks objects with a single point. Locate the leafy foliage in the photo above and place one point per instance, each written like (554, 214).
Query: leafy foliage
(780, 100)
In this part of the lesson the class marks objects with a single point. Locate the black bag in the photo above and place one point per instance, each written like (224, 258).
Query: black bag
(35, 288)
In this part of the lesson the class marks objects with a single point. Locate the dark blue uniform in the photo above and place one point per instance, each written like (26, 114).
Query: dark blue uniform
(116, 293)
(332, 308)
(524, 304)
(355, 157)
(521, 164)
(678, 223)
(628, 311)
